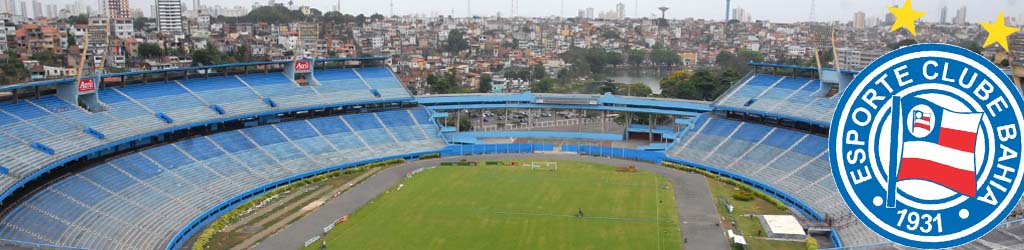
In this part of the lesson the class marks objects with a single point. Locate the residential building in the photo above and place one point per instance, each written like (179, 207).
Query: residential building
(168, 15)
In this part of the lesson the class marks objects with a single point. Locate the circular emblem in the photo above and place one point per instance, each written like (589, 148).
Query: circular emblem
(924, 146)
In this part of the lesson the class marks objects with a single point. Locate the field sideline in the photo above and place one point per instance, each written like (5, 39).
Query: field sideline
(501, 207)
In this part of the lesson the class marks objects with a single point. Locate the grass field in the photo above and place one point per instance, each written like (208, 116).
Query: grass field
(503, 207)
(748, 226)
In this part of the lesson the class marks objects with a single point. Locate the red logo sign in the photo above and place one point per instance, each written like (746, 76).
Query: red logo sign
(302, 66)
(86, 85)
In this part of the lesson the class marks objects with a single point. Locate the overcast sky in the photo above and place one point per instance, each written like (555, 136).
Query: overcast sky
(773, 10)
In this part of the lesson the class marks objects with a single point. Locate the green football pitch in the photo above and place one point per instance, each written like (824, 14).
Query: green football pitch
(505, 207)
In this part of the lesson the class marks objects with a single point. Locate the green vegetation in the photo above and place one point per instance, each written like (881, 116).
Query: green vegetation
(150, 50)
(744, 215)
(485, 84)
(455, 42)
(47, 58)
(778, 204)
(13, 70)
(445, 83)
(737, 62)
(514, 207)
(701, 84)
(207, 240)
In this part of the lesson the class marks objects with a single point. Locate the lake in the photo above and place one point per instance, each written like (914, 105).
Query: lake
(651, 78)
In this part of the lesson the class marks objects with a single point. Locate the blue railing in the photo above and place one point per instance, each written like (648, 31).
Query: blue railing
(629, 154)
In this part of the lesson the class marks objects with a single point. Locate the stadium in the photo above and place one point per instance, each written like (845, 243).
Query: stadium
(150, 159)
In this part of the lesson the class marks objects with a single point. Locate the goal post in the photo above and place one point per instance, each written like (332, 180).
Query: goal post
(544, 165)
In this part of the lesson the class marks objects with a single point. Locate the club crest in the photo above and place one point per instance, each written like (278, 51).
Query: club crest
(924, 146)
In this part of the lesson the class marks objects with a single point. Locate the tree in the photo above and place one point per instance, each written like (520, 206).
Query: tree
(538, 71)
(674, 86)
(455, 41)
(610, 34)
(376, 17)
(360, 19)
(637, 57)
(208, 56)
(485, 84)
(970, 45)
(79, 19)
(614, 58)
(273, 14)
(903, 43)
(702, 84)
(635, 89)
(543, 86)
(443, 84)
(13, 70)
(138, 23)
(150, 50)
(738, 62)
(665, 56)
(45, 58)
(71, 39)
(608, 87)
(243, 54)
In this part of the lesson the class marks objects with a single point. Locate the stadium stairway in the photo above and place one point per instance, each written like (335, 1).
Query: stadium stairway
(140, 200)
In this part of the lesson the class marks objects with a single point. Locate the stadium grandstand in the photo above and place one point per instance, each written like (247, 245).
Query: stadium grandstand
(145, 160)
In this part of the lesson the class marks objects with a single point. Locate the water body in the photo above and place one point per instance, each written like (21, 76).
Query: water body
(651, 78)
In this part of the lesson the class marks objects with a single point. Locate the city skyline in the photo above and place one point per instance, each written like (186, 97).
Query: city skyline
(772, 10)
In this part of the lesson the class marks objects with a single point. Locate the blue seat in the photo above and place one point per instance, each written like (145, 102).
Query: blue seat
(396, 118)
(162, 97)
(376, 136)
(219, 90)
(792, 83)
(363, 121)
(264, 135)
(232, 141)
(121, 107)
(284, 151)
(812, 146)
(345, 141)
(763, 80)
(168, 157)
(275, 85)
(297, 130)
(751, 132)
(200, 148)
(783, 138)
(720, 127)
(329, 125)
(109, 178)
(138, 166)
(422, 117)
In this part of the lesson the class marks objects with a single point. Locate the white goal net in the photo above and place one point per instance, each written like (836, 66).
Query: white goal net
(544, 165)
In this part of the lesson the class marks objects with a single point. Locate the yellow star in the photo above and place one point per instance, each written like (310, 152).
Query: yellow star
(997, 32)
(905, 17)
